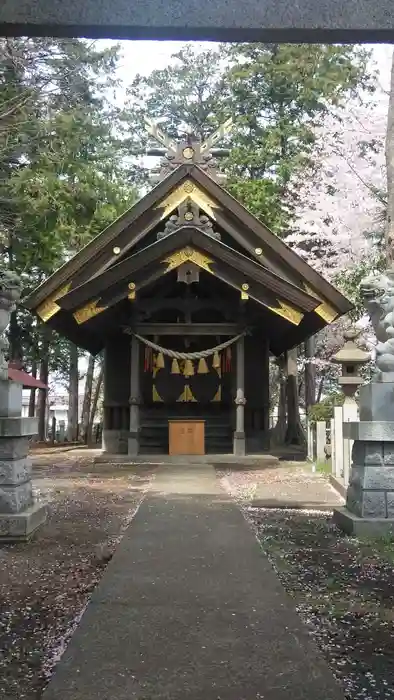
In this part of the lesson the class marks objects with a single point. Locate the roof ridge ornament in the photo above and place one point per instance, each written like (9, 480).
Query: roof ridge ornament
(191, 149)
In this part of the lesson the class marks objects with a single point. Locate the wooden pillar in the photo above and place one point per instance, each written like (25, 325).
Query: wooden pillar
(257, 382)
(266, 394)
(134, 400)
(239, 434)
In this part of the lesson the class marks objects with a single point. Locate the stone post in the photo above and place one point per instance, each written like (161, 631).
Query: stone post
(310, 435)
(349, 415)
(20, 516)
(333, 445)
(240, 401)
(368, 484)
(134, 401)
(321, 439)
(338, 438)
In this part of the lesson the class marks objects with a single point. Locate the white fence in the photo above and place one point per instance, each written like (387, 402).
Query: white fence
(326, 442)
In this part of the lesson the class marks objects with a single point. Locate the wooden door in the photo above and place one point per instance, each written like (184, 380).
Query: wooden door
(186, 437)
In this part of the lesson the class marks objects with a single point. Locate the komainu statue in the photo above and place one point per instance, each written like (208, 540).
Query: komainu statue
(10, 291)
(377, 292)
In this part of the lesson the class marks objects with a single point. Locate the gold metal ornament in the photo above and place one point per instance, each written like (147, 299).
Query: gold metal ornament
(49, 308)
(131, 295)
(188, 255)
(325, 310)
(88, 311)
(288, 312)
(244, 292)
(187, 190)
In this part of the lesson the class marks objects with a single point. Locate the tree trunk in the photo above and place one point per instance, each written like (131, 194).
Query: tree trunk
(390, 173)
(279, 431)
(87, 399)
(72, 417)
(42, 395)
(310, 374)
(321, 386)
(294, 434)
(96, 396)
(15, 352)
(32, 399)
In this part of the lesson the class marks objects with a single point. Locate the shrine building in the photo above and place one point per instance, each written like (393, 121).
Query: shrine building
(188, 295)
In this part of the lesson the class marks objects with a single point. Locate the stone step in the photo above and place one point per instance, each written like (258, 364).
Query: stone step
(229, 460)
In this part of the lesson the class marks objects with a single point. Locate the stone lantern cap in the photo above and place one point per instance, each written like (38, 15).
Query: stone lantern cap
(350, 354)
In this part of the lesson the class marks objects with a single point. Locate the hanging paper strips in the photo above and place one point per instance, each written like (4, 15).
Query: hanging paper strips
(202, 366)
(160, 361)
(188, 369)
(175, 367)
(216, 360)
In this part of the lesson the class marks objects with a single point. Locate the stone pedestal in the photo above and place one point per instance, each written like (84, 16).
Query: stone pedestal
(370, 494)
(19, 515)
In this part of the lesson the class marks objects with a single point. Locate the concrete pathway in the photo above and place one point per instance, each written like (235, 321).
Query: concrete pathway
(190, 609)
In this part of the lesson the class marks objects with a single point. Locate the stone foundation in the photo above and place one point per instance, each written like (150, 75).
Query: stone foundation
(370, 494)
(115, 441)
(19, 515)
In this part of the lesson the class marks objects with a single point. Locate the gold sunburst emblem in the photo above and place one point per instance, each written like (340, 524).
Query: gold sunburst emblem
(188, 187)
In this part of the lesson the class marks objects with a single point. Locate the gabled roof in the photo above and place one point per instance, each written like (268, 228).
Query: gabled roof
(156, 206)
(118, 262)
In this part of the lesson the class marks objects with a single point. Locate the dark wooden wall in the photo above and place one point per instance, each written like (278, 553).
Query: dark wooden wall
(257, 391)
(117, 383)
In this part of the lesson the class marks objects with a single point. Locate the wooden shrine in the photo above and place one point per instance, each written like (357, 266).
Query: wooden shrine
(188, 295)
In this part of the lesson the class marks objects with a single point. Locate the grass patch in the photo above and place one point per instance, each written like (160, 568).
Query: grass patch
(323, 466)
(382, 547)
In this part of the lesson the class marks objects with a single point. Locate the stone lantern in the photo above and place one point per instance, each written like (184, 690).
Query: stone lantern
(350, 357)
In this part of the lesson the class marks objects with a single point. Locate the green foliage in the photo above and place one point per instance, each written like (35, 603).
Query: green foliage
(324, 410)
(280, 95)
(324, 467)
(277, 95)
(61, 163)
(348, 279)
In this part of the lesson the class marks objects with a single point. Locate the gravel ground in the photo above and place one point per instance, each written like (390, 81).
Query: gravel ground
(343, 587)
(45, 584)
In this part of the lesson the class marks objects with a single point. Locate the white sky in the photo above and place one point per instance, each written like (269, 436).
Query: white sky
(145, 56)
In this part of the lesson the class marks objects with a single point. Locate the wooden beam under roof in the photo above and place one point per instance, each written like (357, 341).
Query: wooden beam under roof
(186, 329)
(98, 256)
(183, 237)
